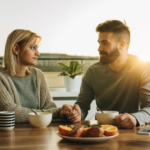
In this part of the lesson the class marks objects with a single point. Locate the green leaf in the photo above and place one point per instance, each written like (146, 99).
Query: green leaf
(79, 67)
(79, 73)
(73, 65)
(72, 76)
(62, 74)
(64, 69)
(65, 66)
(85, 126)
(95, 125)
(67, 73)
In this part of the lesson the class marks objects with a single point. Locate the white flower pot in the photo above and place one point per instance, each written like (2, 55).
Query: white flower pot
(73, 85)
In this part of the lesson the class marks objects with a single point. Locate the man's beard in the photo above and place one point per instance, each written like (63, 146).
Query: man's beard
(109, 58)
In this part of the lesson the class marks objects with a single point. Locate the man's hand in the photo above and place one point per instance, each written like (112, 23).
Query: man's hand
(126, 120)
(75, 115)
(65, 110)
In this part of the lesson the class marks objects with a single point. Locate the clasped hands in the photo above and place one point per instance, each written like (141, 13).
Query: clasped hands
(73, 113)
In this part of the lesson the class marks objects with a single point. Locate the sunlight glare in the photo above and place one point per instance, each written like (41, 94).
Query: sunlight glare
(144, 57)
(139, 42)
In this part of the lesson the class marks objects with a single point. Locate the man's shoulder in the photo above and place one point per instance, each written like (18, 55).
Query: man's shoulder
(137, 66)
(135, 61)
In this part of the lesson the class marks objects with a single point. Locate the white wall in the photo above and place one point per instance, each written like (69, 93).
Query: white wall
(68, 26)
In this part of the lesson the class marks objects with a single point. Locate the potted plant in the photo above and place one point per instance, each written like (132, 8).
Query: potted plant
(72, 75)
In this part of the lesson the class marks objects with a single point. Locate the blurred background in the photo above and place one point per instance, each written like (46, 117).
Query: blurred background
(67, 28)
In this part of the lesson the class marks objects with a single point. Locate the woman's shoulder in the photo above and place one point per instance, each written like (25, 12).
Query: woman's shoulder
(3, 75)
(41, 78)
(38, 71)
(2, 71)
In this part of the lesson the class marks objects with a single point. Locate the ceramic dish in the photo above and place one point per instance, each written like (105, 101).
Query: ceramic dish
(86, 139)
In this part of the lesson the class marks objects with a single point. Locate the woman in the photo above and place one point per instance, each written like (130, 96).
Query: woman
(23, 88)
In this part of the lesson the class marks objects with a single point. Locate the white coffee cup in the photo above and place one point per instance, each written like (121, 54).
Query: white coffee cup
(106, 117)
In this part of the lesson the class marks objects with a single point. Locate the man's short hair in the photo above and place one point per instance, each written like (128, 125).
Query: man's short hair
(120, 30)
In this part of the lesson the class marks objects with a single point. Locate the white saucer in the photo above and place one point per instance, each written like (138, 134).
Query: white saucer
(6, 112)
(6, 121)
(6, 128)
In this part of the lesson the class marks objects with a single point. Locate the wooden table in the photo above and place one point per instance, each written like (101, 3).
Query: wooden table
(25, 137)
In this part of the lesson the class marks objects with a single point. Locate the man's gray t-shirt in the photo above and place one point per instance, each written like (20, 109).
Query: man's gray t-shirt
(27, 90)
(127, 91)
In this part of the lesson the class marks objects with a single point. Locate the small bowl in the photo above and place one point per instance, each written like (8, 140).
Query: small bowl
(42, 120)
(106, 117)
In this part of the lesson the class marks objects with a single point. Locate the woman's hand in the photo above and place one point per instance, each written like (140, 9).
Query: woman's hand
(65, 110)
(75, 114)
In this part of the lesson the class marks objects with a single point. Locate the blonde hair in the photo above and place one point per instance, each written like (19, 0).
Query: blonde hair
(18, 36)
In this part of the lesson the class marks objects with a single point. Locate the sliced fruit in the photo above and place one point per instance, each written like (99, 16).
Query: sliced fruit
(95, 132)
(84, 134)
(105, 126)
(110, 130)
(63, 130)
(76, 132)
(71, 126)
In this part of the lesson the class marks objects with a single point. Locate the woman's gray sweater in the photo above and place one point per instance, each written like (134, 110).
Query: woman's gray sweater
(9, 99)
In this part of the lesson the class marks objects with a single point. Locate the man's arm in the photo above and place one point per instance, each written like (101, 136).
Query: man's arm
(143, 115)
(86, 95)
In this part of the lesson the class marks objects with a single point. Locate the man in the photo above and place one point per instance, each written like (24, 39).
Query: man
(119, 81)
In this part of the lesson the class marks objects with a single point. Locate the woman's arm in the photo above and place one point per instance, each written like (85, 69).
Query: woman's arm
(46, 101)
(7, 103)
